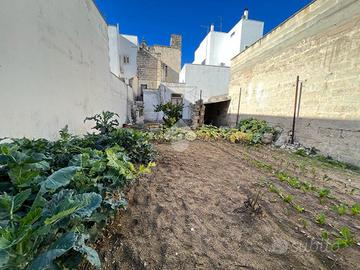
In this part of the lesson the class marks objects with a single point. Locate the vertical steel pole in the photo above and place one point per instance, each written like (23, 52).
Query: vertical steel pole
(238, 111)
(295, 109)
(299, 103)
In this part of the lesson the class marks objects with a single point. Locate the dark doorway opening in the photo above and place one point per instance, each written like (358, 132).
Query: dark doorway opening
(216, 113)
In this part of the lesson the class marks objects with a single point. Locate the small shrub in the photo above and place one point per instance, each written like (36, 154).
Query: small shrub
(172, 113)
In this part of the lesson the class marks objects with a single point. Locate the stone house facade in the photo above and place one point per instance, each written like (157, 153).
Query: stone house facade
(157, 64)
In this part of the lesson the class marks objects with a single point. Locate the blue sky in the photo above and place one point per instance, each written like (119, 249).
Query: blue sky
(156, 20)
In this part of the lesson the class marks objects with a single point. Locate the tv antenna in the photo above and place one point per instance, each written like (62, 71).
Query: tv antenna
(221, 22)
(206, 27)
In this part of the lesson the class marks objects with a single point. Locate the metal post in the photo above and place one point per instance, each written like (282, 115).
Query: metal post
(300, 94)
(295, 109)
(238, 112)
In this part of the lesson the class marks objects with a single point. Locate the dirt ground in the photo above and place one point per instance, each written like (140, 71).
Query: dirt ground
(190, 214)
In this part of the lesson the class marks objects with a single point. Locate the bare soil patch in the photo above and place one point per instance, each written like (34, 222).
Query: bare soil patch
(190, 213)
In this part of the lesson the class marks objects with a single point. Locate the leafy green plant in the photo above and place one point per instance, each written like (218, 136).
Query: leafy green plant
(321, 219)
(355, 209)
(256, 127)
(172, 112)
(273, 188)
(324, 193)
(262, 165)
(306, 186)
(282, 176)
(56, 196)
(288, 198)
(104, 122)
(294, 182)
(239, 136)
(299, 209)
(325, 236)
(340, 209)
(344, 239)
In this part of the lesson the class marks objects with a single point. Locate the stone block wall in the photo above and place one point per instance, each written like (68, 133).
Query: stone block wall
(159, 63)
(321, 44)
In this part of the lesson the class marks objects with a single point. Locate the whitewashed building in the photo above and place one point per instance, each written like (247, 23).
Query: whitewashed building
(123, 51)
(218, 48)
(209, 74)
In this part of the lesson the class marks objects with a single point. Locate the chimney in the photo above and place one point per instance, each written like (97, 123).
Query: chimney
(246, 14)
(212, 28)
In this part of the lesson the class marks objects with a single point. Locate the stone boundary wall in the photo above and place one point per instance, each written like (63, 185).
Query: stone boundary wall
(321, 44)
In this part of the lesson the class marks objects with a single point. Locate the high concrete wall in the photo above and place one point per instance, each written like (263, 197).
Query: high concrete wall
(321, 44)
(54, 67)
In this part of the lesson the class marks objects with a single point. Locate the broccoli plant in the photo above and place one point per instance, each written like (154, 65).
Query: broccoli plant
(104, 122)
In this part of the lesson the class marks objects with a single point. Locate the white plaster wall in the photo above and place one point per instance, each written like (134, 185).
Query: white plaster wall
(54, 67)
(234, 41)
(212, 80)
(217, 53)
(202, 50)
(128, 46)
(252, 31)
(219, 48)
(151, 100)
(119, 47)
(114, 50)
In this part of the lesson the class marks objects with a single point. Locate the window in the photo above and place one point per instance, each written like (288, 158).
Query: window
(166, 71)
(176, 99)
(126, 59)
(143, 86)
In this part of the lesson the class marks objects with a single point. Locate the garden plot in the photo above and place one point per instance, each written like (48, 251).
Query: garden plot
(299, 212)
